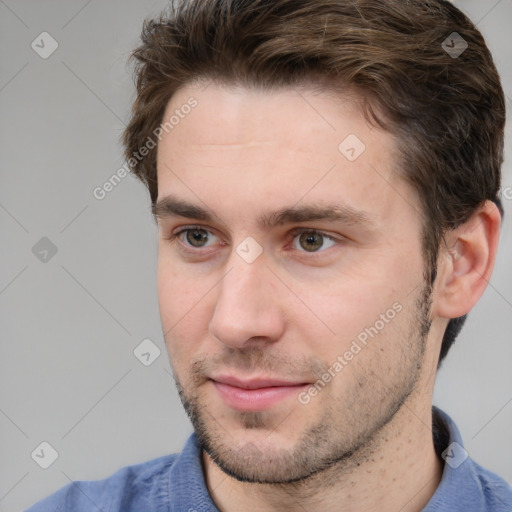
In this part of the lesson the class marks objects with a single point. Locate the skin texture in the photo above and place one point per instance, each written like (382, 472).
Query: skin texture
(364, 441)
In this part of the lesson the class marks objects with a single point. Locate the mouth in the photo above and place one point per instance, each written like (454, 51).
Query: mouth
(257, 394)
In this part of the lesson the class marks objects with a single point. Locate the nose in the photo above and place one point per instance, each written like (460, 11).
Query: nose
(247, 309)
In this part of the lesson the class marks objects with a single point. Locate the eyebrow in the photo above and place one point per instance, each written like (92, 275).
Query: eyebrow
(170, 206)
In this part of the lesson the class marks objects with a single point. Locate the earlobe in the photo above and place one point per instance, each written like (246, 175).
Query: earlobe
(466, 262)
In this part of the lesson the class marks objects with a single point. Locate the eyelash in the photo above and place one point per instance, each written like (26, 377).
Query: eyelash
(173, 237)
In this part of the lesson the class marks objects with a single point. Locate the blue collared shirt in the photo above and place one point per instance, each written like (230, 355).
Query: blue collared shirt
(175, 483)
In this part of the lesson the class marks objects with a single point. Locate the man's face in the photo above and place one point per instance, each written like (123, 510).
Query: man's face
(321, 315)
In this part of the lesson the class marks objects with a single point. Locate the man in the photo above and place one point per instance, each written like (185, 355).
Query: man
(325, 178)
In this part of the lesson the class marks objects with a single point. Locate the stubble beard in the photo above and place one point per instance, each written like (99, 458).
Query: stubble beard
(335, 443)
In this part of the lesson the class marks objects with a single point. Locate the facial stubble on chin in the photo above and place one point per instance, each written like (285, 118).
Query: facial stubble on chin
(324, 444)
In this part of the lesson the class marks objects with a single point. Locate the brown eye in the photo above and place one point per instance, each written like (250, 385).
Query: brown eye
(196, 237)
(311, 241)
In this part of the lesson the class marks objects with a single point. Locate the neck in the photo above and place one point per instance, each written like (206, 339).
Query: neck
(400, 471)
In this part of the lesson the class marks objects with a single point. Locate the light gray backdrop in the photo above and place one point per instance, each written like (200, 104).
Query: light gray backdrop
(70, 321)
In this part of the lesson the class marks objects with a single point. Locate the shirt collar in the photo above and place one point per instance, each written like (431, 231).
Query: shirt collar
(460, 488)
(187, 486)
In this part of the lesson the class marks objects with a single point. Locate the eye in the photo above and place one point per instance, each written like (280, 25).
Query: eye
(195, 237)
(312, 241)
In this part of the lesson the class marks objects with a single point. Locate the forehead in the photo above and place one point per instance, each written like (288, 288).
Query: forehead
(230, 114)
(277, 148)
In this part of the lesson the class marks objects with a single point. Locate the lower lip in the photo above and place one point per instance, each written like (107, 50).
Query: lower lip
(255, 399)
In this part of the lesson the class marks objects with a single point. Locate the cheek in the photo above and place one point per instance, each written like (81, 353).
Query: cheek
(183, 309)
(361, 316)
(344, 306)
(177, 292)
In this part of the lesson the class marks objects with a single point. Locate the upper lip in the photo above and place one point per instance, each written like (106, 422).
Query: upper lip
(255, 382)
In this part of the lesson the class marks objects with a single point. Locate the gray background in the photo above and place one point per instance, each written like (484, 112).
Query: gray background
(69, 326)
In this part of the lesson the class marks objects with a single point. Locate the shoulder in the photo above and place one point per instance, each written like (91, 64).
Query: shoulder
(465, 486)
(497, 493)
(135, 486)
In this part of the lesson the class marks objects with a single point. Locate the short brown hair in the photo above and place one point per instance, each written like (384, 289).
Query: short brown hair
(446, 111)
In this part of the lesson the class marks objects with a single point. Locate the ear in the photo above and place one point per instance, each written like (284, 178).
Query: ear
(465, 263)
